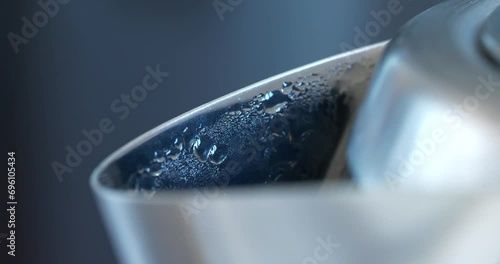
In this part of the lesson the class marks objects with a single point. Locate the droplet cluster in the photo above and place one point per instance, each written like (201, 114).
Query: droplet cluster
(287, 134)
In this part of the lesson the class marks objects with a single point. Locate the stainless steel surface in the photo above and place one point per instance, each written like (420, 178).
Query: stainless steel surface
(490, 36)
(287, 225)
(430, 119)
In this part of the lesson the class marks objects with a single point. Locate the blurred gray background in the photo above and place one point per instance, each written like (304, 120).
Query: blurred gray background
(65, 78)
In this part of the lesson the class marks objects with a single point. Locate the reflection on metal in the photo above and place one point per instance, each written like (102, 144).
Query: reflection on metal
(490, 36)
(433, 106)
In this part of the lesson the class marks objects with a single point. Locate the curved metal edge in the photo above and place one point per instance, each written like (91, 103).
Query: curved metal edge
(373, 50)
(433, 63)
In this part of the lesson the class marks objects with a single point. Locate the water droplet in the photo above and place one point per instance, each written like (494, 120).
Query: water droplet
(173, 153)
(203, 148)
(274, 101)
(159, 159)
(178, 144)
(155, 169)
(219, 155)
(276, 108)
(189, 138)
(260, 97)
(286, 90)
